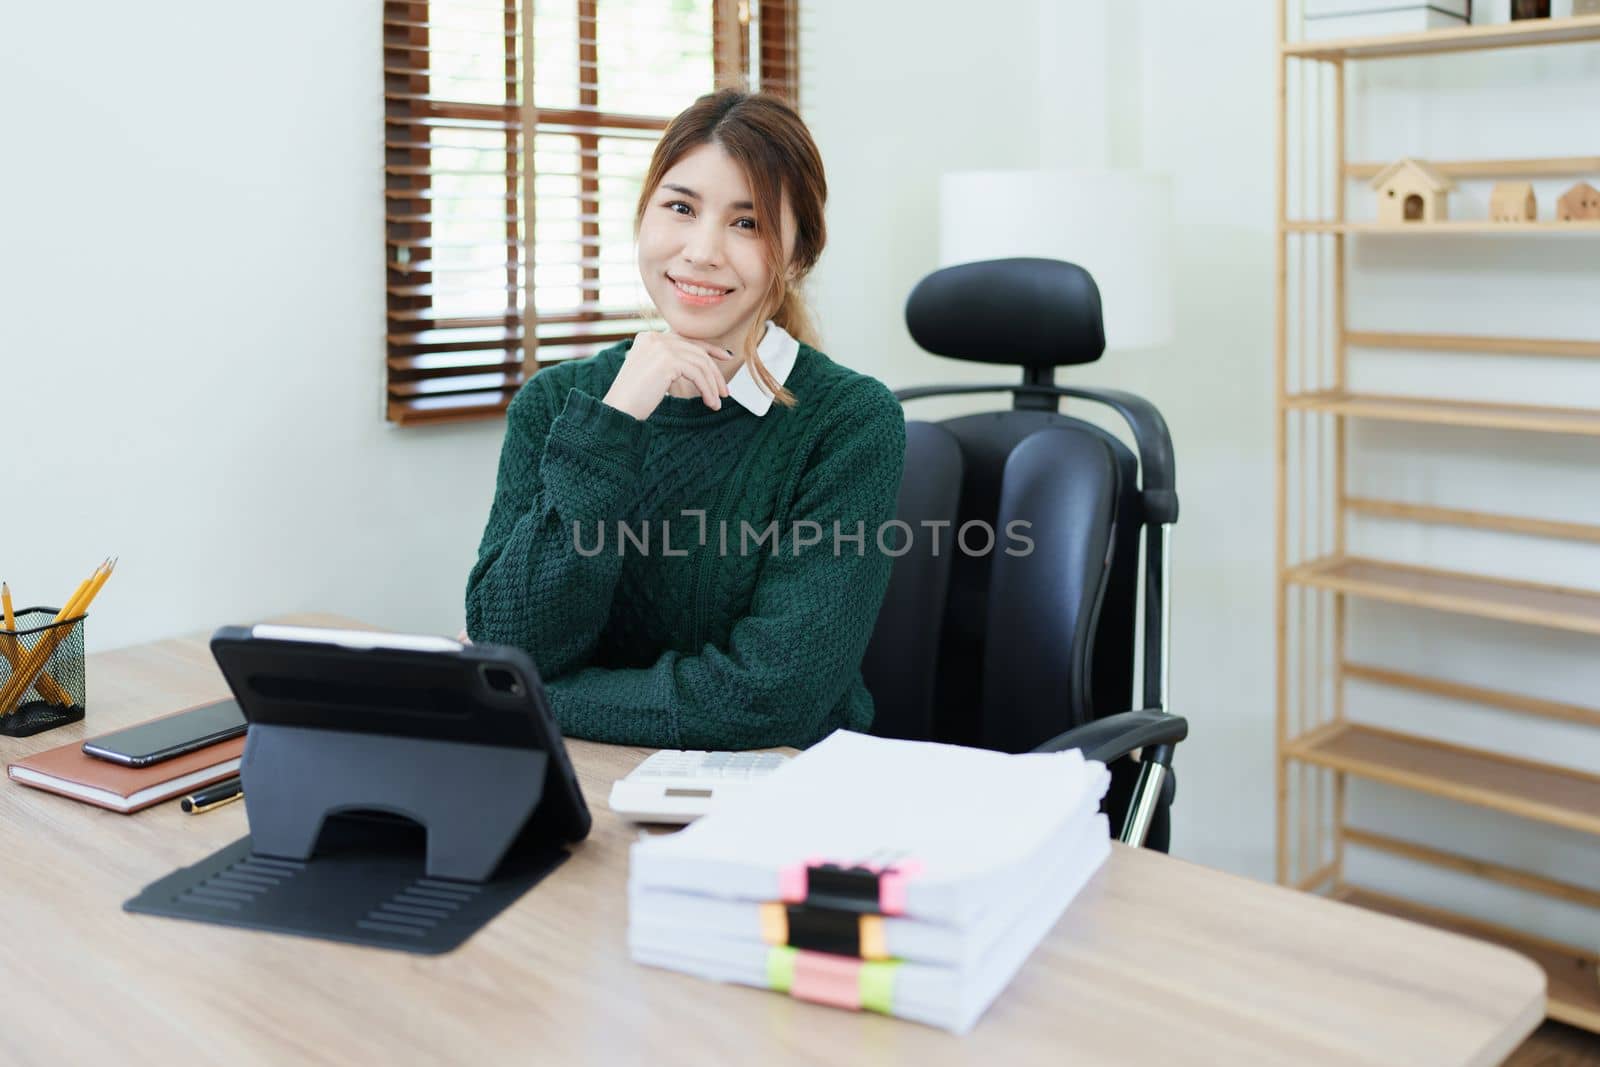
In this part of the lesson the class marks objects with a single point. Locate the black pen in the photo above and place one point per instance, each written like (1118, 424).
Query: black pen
(213, 796)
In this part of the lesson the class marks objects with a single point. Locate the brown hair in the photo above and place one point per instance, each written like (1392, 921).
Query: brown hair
(763, 134)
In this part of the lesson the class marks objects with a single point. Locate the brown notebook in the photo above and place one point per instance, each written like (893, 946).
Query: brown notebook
(66, 770)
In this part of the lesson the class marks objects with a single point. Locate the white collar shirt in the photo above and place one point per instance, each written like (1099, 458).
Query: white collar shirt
(778, 351)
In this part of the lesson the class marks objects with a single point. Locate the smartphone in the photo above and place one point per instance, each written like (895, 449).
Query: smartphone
(172, 735)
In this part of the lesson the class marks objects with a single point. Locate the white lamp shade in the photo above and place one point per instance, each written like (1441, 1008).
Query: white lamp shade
(1117, 225)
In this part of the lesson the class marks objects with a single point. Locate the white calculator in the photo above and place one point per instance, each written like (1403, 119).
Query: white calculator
(675, 786)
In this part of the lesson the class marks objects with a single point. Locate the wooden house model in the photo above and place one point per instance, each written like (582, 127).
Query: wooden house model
(1412, 191)
(1513, 202)
(1581, 202)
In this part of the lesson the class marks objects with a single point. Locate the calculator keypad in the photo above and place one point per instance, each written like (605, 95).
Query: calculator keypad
(727, 766)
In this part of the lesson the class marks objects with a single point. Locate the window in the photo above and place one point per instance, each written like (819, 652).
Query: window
(460, 203)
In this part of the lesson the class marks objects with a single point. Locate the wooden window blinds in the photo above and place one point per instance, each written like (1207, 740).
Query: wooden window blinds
(597, 82)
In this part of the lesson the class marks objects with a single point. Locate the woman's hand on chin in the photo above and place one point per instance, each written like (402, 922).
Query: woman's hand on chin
(659, 364)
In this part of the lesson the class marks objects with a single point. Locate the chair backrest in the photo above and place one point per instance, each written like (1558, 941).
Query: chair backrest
(1007, 645)
(1011, 617)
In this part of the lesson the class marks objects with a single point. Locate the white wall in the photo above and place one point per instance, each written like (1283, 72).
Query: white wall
(891, 110)
(193, 279)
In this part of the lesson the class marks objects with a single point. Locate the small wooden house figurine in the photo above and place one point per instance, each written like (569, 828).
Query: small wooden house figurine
(1513, 202)
(1412, 191)
(1581, 202)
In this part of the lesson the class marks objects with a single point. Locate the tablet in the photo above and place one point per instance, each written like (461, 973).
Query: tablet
(404, 685)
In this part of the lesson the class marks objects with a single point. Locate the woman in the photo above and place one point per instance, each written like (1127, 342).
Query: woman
(663, 535)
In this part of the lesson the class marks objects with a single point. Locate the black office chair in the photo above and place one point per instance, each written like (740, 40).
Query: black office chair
(1020, 649)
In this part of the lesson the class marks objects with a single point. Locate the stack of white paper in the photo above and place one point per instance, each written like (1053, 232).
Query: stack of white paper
(1335, 19)
(979, 854)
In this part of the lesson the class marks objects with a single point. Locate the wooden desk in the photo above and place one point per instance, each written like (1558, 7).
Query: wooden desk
(1159, 961)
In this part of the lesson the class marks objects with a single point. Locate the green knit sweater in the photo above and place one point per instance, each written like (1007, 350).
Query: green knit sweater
(685, 643)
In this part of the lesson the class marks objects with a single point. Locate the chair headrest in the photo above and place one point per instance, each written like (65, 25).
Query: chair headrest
(1023, 311)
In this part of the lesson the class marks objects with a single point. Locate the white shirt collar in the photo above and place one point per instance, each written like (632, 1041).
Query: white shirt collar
(778, 351)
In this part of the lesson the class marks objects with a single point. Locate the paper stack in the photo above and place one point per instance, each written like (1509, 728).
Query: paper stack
(1331, 19)
(904, 877)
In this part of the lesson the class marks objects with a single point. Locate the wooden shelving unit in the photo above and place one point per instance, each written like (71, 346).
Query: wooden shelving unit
(1320, 745)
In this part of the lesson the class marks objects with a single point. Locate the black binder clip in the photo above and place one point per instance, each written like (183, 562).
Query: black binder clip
(823, 929)
(862, 888)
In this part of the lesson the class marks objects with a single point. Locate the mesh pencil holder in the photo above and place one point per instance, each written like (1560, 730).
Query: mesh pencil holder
(42, 682)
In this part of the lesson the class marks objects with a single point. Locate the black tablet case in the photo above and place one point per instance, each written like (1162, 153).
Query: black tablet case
(396, 798)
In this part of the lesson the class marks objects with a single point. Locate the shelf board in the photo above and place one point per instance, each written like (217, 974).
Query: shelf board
(1464, 343)
(1520, 34)
(1573, 992)
(1473, 694)
(1535, 417)
(1557, 607)
(1476, 866)
(1536, 791)
(1562, 166)
(1473, 520)
(1449, 228)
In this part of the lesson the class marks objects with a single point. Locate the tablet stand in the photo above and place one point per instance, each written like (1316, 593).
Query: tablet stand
(316, 863)
(473, 800)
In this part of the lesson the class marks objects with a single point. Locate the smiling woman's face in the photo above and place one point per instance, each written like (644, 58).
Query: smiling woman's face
(700, 227)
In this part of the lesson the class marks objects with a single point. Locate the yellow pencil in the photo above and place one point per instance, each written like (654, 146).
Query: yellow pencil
(86, 591)
(11, 618)
(77, 594)
(10, 645)
(100, 581)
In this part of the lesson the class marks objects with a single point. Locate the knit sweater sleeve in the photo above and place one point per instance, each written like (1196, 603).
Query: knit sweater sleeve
(567, 459)
(788, 663)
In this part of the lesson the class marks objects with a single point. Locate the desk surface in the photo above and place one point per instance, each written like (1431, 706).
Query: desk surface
(1159, 960)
